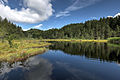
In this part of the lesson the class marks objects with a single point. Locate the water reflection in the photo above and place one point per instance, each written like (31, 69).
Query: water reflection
(58, 64)
(101, 51)
(34, 68)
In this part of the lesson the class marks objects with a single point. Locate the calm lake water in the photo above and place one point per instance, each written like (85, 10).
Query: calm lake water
(67, 61)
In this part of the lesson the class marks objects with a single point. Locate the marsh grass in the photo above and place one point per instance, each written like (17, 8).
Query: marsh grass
(74, 40)
(21, 49)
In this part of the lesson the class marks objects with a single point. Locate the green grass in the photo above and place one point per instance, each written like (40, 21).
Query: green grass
(21, 49)
(114, 40)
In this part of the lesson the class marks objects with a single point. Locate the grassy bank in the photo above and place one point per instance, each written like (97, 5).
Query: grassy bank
(74, 40)
(114, 40)
(21, 49)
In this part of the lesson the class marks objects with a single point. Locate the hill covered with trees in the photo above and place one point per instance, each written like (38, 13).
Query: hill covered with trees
(9, 30)
(92, 29)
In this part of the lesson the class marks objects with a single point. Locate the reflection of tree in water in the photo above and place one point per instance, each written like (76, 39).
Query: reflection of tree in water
(34, 68)
(91, 50)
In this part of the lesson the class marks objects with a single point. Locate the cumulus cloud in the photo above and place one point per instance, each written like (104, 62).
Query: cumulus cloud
(78, 4)
(35, 11)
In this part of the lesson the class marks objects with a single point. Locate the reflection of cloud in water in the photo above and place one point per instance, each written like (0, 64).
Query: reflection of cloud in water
(40, 69)
(118, 64)
(34, 68)
(77, 73)
(6, 70)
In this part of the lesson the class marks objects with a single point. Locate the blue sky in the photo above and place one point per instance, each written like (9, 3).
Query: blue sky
(47, 14)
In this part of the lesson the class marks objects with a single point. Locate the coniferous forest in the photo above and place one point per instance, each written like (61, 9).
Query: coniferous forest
(92, 29)
(9, 30)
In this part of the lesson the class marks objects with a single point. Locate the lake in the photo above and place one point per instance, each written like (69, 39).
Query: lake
(67, 61)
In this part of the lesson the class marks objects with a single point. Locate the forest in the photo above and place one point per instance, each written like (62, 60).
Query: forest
(93, 29)
(9, 30)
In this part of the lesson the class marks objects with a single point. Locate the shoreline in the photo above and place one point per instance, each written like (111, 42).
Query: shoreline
(73, 40)
(21, 50)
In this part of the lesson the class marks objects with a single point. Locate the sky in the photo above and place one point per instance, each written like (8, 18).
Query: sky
(48, 14)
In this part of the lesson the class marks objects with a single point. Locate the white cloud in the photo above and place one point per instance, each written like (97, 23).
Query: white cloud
(110, 16)
(64, 13)
(36, 11)
(38, 26)
(26, 29)
(118, 14)
(78, 4)
(34, 27)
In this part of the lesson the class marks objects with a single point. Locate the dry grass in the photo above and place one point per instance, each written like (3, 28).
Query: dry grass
(21, 49)
(74, 40)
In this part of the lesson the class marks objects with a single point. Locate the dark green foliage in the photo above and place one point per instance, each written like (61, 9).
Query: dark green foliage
(9, 31)
(93, 29)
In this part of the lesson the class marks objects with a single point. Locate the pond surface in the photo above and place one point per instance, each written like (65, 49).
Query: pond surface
(67, 61)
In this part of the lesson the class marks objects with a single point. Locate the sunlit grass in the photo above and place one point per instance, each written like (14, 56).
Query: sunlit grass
(21, 49)
(74, 40)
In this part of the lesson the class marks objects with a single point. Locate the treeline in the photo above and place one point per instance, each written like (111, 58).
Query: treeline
(9, 31)
(92, 29)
